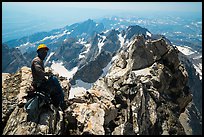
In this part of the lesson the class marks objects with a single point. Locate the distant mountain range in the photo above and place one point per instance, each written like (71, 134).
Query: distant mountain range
(79, 43)
(88, 51)
(140, 87)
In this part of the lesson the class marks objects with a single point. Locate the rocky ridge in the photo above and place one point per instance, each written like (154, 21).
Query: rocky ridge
(144, 93)
(15, 88)
(135, 99)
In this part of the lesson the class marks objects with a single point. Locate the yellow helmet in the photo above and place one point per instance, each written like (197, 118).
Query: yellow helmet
(42, 46)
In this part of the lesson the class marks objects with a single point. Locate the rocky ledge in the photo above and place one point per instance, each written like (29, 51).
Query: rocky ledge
(144, 93)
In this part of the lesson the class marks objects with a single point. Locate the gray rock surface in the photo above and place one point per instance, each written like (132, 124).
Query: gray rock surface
(14, 116)
(145, 92)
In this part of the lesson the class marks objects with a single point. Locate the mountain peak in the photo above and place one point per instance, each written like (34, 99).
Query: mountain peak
(123, 82)
(144, 88)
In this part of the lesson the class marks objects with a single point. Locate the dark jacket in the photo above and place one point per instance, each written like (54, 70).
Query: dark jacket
(38, 71)
(51, 86)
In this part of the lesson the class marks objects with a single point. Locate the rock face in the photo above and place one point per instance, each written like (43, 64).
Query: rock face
(144, 93)
(137, 98)
(192, 116)
(12, 59)
(93, 67)
(14, 118)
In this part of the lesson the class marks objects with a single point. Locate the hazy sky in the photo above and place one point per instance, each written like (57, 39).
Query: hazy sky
(49, 15)
(125, 6)
(72, 12)
(47, 8)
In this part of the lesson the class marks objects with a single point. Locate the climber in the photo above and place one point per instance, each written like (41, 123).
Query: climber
(37, 66)
(40, 82)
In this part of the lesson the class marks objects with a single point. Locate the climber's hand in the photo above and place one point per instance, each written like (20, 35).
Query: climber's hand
(48, 73)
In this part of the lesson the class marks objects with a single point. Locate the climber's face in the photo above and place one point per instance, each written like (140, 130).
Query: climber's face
(42, 53)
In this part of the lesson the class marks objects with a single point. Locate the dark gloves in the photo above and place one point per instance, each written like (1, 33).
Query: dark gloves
(48, 73)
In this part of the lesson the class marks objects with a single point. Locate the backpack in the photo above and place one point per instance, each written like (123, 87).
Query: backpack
(34, 105)
(41, 98)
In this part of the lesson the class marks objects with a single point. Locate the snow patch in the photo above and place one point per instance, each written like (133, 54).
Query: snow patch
(52, 53)
(198, 70)
(55, 36)
(123, 26)
(76, 91)
(140, 21)
(24, 47)
(62, 71)
(121, 39)
(81, 41)
(198, 57)
(79, 89)
(177, 32)
(148, 34)
(185, 50)
(101, 43)
(106, 31)
(145, 71)
(82, 55)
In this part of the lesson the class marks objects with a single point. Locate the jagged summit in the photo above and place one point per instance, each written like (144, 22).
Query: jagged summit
(144, 92)
(12, 59)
